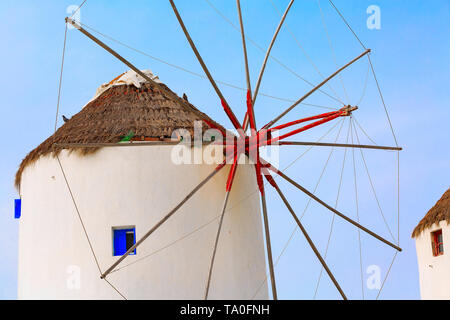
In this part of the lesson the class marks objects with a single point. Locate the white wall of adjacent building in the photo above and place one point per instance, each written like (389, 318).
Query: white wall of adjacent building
(137, 186)
(434, 271)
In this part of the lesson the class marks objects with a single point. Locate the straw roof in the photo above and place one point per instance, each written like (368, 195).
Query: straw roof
(440, 212)
(150, 111)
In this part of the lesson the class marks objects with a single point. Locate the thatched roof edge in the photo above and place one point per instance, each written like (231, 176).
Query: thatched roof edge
(439, 212)
(151, 111)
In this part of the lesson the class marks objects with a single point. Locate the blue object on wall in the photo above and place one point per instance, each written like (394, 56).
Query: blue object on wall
(123, 240)
(17, 208)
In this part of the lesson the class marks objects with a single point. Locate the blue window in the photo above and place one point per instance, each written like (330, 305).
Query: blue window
(123, 239)
(17, 208)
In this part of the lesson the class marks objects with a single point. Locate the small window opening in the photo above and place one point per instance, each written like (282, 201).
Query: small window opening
(437, 243)
(123, 239)
(17, 208)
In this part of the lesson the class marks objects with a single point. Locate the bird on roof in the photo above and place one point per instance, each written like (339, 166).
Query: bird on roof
(65, 118)
(185, 97)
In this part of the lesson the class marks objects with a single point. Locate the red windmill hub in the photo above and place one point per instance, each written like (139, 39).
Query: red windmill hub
(250, 144)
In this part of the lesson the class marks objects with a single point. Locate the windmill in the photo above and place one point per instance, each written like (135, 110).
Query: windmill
(246, 142)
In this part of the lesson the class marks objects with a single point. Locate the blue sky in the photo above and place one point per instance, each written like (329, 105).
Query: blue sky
(410, 54)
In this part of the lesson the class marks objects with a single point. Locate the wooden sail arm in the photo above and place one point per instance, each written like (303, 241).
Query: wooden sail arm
(339, 145)
(302, 129)
(345, 111)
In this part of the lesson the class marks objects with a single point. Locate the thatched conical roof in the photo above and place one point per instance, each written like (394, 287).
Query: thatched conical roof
(149, 110)
(440, 212)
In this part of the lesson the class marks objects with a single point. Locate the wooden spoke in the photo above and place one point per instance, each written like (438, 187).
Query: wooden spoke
(339, 145)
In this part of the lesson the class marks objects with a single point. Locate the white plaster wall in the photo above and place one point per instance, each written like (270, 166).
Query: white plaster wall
(137, 186)
(434, 272)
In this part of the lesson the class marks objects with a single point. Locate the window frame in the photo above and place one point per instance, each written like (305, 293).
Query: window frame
(436, 243)
(124, 230)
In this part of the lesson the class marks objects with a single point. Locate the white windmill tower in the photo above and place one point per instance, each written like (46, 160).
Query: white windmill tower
(431, 235)
(119, 193)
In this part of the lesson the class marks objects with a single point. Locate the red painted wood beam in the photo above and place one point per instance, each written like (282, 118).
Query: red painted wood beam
(232, 173)
(250, 113)
(320, 116)
(231, 116)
